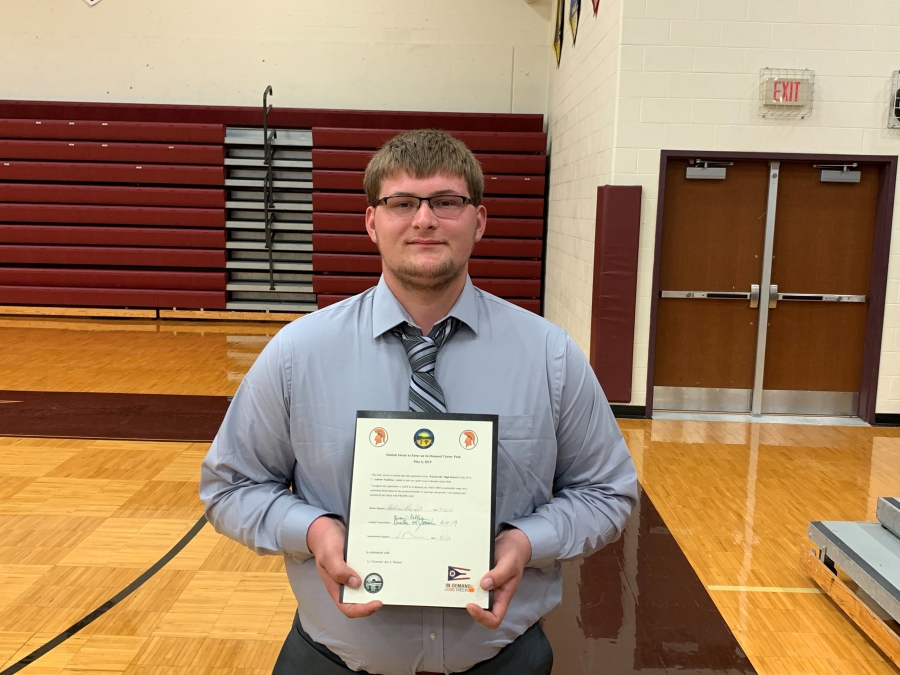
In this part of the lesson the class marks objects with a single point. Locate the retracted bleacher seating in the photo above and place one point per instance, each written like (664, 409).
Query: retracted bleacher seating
(110, 205)
(112, 214)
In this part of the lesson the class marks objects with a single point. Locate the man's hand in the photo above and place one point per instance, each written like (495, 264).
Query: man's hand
(512, 551)
(325, 539)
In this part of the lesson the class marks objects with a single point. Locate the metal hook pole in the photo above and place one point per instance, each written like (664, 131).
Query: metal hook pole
(268, 196)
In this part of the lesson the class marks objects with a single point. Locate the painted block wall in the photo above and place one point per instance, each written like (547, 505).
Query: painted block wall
(688, 80)
(581, 129)
(464, 55)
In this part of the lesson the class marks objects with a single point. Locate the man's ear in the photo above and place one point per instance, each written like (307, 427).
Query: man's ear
(480, 221)
(370, 224)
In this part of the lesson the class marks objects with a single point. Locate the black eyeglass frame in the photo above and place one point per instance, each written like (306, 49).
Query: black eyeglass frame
(466, 200)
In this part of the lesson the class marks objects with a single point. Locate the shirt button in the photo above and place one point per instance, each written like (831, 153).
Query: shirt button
(432, 636)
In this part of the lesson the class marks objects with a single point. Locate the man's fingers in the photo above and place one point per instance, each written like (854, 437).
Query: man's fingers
(482, 616)
(359, 611)
(338, 570)
(501, 574)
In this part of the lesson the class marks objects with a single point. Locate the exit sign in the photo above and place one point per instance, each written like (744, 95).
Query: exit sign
(787, 92)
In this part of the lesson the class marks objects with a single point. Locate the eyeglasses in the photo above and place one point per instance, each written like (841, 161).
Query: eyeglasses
(406, 206)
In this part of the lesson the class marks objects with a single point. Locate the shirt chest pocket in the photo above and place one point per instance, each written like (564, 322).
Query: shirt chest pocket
(515, 453)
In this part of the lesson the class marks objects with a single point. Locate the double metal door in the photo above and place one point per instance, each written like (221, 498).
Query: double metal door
(764, 279)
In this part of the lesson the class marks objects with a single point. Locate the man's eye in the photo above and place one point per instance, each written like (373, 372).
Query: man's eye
(446, 203)
(401, 205)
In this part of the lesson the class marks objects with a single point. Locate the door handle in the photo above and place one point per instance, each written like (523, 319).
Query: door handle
(815, 297)
(773, 296)
(752, 296)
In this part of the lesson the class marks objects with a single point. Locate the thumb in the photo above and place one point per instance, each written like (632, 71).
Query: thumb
(338, 570)
(503, 572)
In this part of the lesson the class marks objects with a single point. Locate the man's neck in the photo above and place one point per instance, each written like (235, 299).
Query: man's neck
(426, 307)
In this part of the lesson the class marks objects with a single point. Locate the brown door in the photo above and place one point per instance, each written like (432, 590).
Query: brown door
(712, 244)
(821, 266)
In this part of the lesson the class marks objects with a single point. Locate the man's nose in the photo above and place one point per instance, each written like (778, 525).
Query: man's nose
(425, 215)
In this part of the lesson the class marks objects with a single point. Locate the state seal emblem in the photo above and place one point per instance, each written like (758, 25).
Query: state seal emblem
(423, 439)
(373, 583)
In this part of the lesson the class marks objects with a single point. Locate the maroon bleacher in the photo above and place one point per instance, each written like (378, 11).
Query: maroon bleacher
(112, 214)
(116, 205)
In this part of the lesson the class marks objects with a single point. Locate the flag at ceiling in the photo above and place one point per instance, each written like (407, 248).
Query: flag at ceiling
(558, 28)
(596, 6)
(574, 15)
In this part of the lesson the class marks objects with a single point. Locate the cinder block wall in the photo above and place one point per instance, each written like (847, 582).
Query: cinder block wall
(582, 122)
(688, 80)
(465, 55)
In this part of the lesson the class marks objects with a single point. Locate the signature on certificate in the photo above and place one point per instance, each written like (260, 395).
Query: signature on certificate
(418, 521)
(414, 536)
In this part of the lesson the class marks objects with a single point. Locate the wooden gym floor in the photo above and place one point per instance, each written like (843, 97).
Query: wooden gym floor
(717, 534)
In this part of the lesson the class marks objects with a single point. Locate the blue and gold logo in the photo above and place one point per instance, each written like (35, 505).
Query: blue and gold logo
(423, 438)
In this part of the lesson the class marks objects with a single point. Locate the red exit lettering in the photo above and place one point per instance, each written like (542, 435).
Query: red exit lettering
(786, 91)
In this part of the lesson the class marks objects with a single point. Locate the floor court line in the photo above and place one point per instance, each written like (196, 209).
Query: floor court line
(108, 605)
(765, 589)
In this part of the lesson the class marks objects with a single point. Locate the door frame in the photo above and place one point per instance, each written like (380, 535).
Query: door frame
(880, 257)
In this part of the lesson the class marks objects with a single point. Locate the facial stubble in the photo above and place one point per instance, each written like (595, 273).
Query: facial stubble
(420, 278)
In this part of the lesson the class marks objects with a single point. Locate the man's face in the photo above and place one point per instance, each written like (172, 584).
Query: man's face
(423, 251)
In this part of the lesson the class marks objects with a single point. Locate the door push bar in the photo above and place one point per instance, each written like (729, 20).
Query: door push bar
(752, 296)
(775, 296)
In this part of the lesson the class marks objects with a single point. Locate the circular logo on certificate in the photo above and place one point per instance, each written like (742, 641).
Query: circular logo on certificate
(378, 437)
(373, 583)
(423, 439)
(468, 440)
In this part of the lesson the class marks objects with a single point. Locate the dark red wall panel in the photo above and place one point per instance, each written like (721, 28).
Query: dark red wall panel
(155, 174)
(109, 195)
(615, 287)
(477, 141)
(86, 151)
(112, 215)
(111, 236)
(110, 297)
(250, 116)
(93, 130)
(358, 160)
(111, 256)
(107, 278)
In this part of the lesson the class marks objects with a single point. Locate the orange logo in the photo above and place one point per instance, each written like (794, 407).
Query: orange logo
(378, 437)
(468, 440)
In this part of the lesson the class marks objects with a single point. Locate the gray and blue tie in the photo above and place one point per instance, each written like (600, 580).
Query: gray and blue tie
(425, 394)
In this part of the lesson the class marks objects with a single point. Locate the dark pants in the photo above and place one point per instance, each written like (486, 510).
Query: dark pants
(529, 654)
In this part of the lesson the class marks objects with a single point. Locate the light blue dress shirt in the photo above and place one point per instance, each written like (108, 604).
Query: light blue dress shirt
(293, 419)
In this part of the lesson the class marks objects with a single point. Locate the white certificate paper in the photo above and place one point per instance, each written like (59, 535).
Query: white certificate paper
(420, 529)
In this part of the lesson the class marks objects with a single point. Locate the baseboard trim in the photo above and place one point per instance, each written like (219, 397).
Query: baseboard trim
(632, 412)
(887, 420)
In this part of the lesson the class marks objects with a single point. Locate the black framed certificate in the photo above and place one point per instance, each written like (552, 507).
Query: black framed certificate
(421, 524)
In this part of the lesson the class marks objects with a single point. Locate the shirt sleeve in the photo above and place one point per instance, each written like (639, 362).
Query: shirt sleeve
(595, 483)
(245, 480)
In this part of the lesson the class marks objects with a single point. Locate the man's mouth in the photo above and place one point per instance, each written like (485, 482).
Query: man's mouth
(425, 242)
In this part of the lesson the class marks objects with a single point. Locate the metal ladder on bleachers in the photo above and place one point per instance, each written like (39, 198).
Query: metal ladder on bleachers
(269, 221)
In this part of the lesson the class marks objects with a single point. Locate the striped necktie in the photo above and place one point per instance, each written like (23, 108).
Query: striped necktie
(425, 394)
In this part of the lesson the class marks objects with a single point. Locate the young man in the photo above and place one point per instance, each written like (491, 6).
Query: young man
(277, 476)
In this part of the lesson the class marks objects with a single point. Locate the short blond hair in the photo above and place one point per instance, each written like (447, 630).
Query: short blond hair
(423, 153)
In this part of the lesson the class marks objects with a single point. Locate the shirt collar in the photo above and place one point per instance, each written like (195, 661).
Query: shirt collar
(387, 311)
